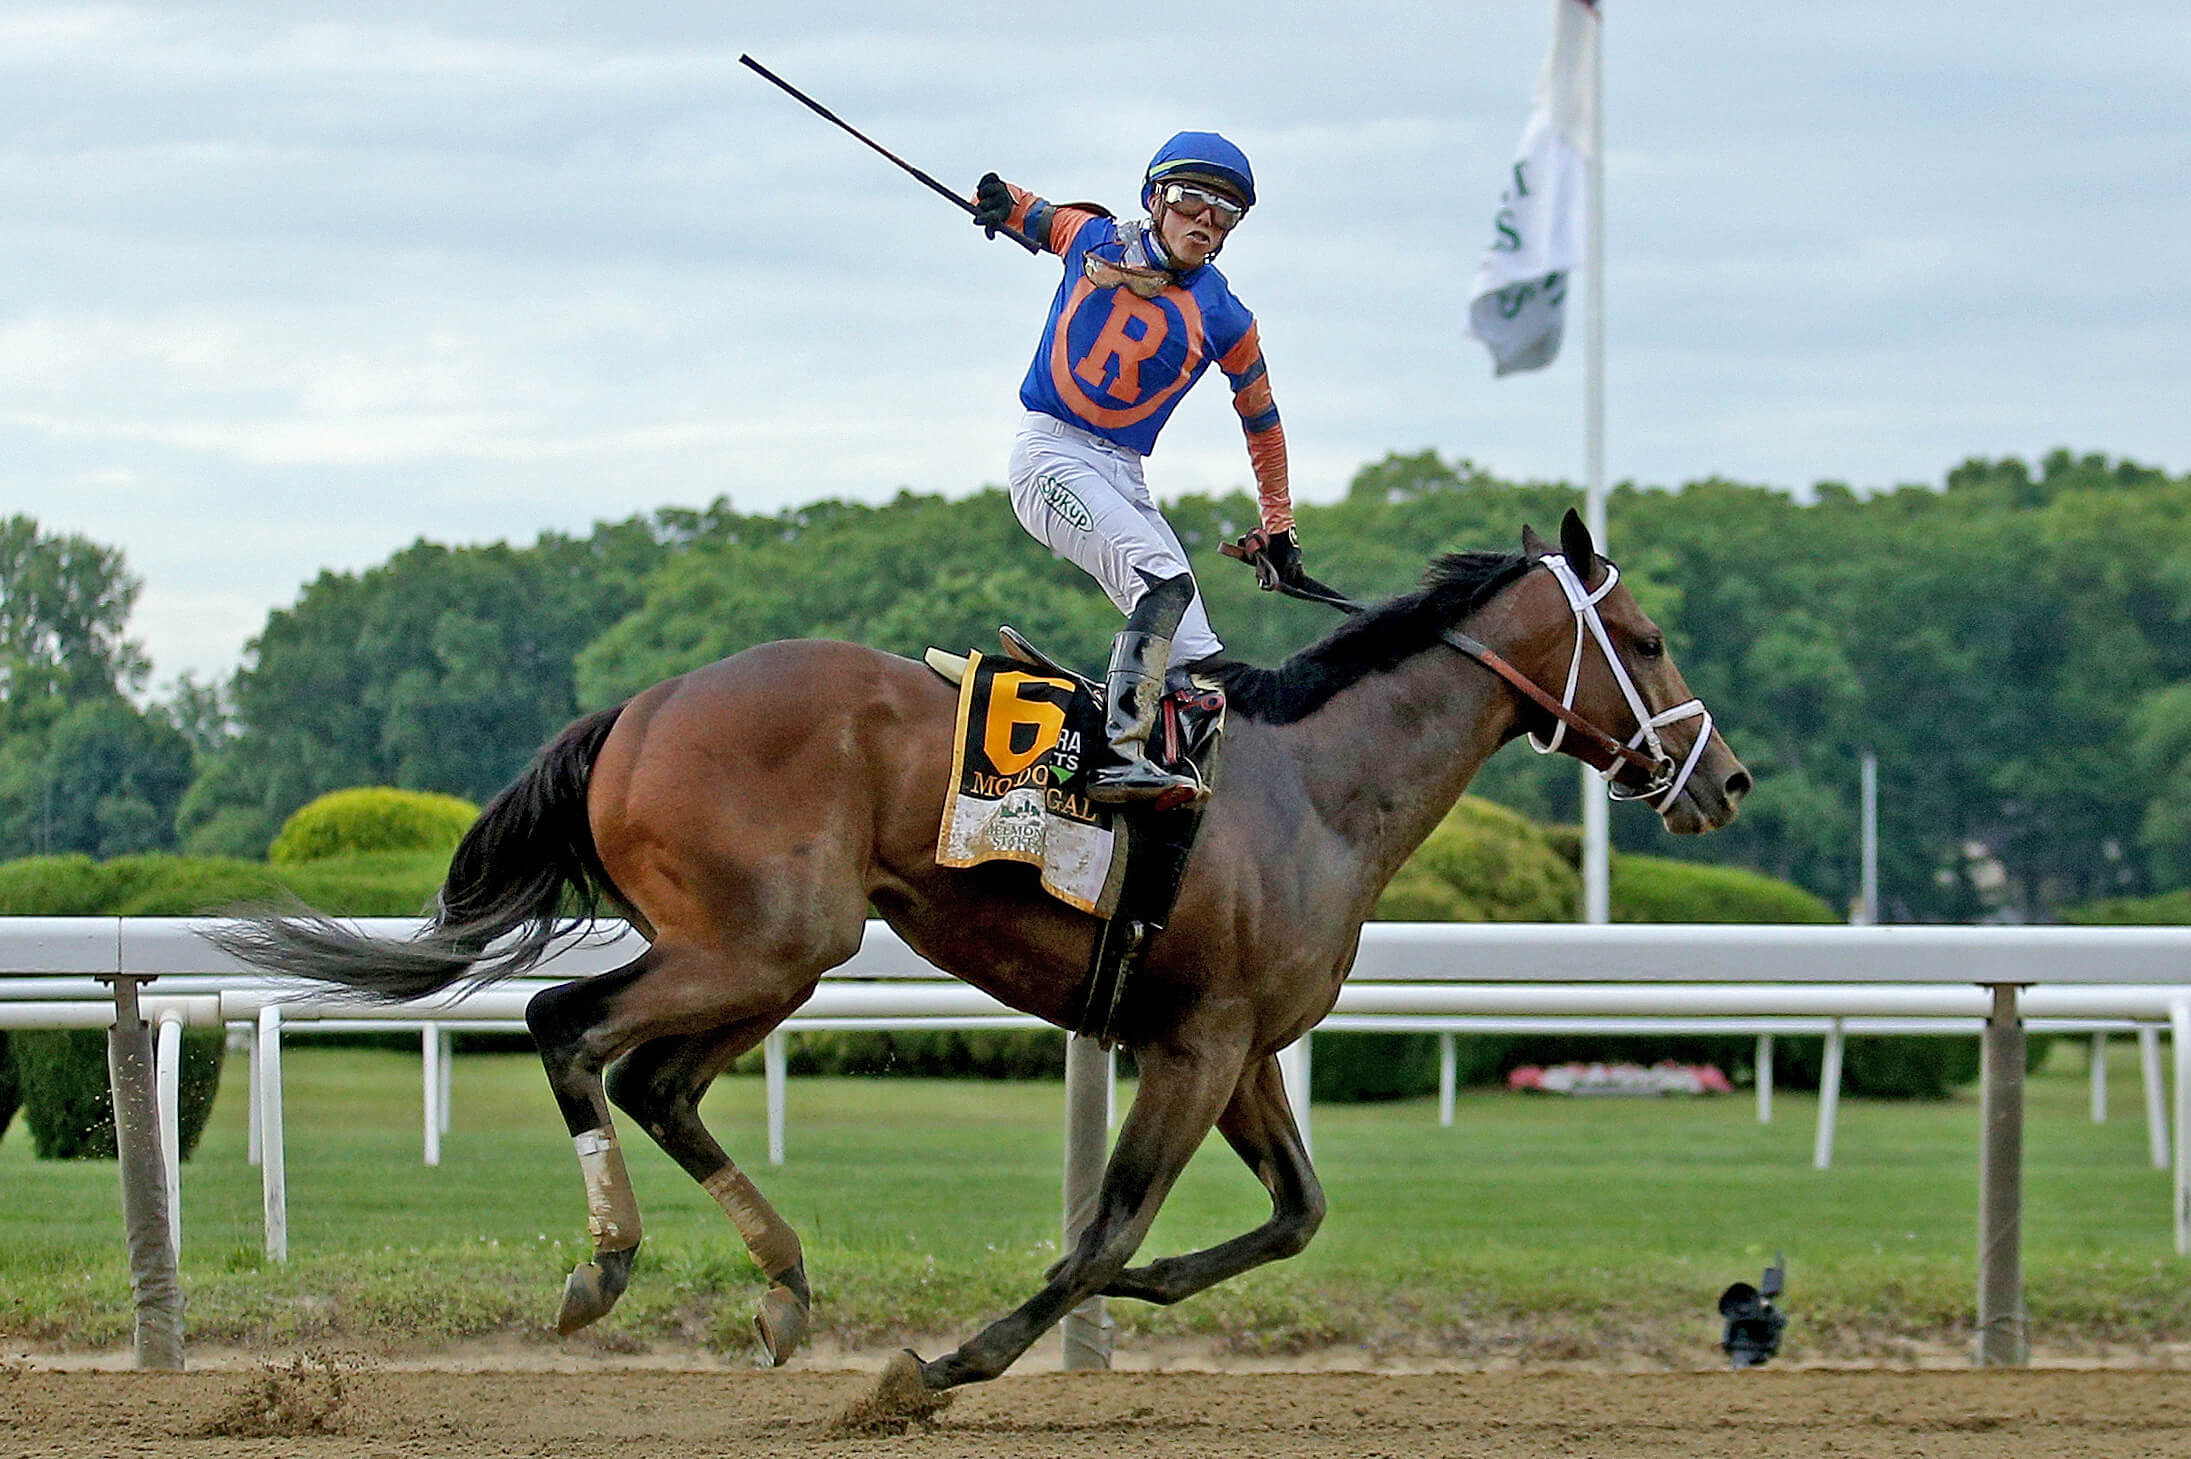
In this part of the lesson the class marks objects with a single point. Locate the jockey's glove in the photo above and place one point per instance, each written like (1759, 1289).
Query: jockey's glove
(992, 203)
(1283, 552)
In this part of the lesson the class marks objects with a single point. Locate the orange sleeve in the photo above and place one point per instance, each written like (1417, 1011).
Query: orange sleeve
(1048, 224)
(1244, 366)
(1267, 455)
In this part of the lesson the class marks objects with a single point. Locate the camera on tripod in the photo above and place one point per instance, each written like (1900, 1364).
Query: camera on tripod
(1753, 1323)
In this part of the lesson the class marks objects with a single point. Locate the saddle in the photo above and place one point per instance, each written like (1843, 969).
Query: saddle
(1190, 718)
(1159, 838)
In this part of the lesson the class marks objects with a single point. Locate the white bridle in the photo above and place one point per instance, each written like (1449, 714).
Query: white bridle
(1666, 784)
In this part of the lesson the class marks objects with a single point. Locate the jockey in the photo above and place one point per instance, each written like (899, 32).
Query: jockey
(1141, 313)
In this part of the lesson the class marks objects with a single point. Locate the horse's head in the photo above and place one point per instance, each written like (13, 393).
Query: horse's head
(1577, 628)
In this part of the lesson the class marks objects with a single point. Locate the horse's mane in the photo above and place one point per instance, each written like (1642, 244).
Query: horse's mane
(1377, 639)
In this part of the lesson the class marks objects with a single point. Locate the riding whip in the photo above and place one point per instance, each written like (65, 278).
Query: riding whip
(829, 116)
(1254, 550)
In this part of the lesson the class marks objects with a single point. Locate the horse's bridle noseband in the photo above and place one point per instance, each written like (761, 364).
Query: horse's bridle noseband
(1665, 780)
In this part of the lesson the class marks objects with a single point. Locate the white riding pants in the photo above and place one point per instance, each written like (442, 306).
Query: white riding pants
(1084, 498)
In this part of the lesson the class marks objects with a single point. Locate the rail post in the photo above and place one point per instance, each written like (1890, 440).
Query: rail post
(2001, 1334)
(154, 1283)
(2156, 1096)
(430, 1051)
(1829, 1097)
(1448, 1077)
(167, 1068)
(1085, 1334)
(2179, 1044)
(1294, 1071)
(776, 1074)
(273, 1158)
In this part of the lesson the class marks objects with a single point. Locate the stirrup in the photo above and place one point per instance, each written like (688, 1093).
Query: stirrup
(1140, 781)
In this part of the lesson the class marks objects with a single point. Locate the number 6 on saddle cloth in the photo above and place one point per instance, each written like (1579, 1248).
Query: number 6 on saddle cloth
(1029, 739)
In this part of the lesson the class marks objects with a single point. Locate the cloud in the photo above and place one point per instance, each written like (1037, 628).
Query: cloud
(288, 292)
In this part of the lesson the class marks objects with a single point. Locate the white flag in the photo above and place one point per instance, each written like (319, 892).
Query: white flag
(1519, 301)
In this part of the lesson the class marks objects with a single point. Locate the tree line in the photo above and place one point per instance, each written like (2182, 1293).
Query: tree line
(2014, 645)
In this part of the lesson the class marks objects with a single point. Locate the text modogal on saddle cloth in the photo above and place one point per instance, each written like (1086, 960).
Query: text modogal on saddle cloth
(1025, 746)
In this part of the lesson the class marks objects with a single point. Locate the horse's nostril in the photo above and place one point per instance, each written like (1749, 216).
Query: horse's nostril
(1738, 785)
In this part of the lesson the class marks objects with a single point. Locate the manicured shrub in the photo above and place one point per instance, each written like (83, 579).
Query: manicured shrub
(66, 1100)
(386, 884)
(923, 1053)
(60, 1079)
(372, 819)
(68, 886)
(1364, 1068)
(11, 1089)
(2169, 909)
(1659, 889)
(1484, 863)
(378, 884)
(244, 831)
(1456, 877)
(1894, 1068)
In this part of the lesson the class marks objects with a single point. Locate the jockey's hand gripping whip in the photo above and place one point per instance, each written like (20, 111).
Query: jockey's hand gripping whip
(829, 116)
(1254, 550)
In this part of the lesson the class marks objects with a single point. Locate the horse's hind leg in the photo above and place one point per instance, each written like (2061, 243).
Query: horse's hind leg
(1259, 1126)
(580, 1028)
(565, 1023)
(659, 1084)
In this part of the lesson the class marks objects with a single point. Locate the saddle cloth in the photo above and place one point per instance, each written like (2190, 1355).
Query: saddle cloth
(1026, 744)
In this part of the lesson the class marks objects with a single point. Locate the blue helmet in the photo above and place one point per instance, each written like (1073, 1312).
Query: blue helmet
(1200, 155)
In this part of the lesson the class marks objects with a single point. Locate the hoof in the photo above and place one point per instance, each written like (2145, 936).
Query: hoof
(780, 1323)
(592, 1289)
(901, 1398)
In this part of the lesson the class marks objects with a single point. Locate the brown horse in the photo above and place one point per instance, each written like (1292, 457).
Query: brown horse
(746, 815)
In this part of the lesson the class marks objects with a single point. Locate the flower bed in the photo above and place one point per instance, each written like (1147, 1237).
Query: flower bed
(1663, 1078)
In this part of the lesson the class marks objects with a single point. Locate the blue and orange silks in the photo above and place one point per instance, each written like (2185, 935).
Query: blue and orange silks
(1117, 364)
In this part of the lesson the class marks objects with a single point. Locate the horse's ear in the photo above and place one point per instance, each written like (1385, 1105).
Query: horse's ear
(1581, 553)
(1533, 546)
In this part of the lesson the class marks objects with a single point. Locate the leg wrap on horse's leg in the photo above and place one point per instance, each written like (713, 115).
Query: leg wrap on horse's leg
(612, 1211)
(612, 1219)
(781, 1321)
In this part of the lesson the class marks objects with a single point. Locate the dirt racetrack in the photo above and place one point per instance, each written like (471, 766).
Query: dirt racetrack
(347, 1409)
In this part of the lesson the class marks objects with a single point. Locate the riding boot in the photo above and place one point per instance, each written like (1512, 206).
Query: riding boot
(1133, 687)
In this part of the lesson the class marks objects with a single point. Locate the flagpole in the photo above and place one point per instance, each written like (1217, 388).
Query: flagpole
(1596, 857)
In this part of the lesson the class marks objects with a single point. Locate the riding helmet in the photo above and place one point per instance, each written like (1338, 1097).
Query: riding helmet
(1200, 157)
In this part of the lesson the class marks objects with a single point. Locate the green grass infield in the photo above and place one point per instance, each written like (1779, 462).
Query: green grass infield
(1537, 1229)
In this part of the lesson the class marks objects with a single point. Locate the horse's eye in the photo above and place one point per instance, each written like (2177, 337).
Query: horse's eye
(1651, 648)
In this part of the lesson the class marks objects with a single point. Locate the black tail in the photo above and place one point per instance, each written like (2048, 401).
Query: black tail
(527, 867)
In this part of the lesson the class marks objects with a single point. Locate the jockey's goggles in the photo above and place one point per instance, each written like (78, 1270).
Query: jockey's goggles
(1196, 202)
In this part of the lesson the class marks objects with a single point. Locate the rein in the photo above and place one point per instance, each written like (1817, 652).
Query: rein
(1643, 750)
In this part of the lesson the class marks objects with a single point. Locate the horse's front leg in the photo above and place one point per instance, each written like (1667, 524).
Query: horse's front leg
(1180, 1097)
(1259, 1126)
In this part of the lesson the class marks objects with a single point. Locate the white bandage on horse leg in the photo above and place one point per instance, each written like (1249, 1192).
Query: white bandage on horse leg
(775, 1246)
(612, 1211)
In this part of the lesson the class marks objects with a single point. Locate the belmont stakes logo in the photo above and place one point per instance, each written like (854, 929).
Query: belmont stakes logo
(1059, 499)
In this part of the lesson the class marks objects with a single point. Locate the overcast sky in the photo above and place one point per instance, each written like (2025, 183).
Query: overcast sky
(284, 288)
